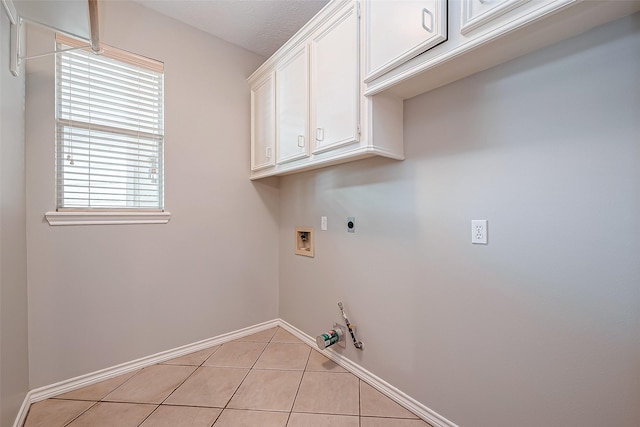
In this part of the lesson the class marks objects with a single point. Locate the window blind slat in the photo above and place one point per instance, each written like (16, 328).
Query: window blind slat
(138, 154)
(98, 131)
(144, 108)
(75, 80)
(78, 59)
(106, 119)
(97, 93)
(80, 63)
(110, 133)
(142, 145)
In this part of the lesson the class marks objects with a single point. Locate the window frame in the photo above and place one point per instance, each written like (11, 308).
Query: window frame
(69, 215)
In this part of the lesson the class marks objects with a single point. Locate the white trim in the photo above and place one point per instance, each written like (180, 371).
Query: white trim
(331, 159)
(401, 398)
(470, 23)
(11, 11)
(66, 386)
(106, 218)
(24, 410)
(404, 400)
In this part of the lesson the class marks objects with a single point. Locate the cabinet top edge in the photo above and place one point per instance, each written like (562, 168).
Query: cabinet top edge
(300, 36)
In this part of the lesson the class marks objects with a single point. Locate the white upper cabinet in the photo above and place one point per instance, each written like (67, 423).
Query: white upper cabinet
(397, 31)
(335, 82)
(334, 92)
(480, 35)
(292, 107)
(263, 123)
(319, 115)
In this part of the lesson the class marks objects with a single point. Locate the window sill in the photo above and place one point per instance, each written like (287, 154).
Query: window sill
(106, 218)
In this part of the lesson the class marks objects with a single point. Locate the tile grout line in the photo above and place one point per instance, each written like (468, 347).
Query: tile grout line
(145, 418)
(201, 365)
(125, 381)
(299, 385)
(217, 417)
(95, 402)
(248, 371)
(77, 416)
(359, 402)
(178, 386)
(184, 381)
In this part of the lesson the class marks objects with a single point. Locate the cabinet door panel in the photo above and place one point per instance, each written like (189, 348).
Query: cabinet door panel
(263, 124)
(399, 30)
(292, 103)
(335, 83)
(476, 13)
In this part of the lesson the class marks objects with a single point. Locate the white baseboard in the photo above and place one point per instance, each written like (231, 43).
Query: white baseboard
(404, 400)
(46, 392)
(42, 393)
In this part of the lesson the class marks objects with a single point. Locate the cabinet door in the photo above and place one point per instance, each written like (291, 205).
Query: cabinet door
(263, 124)
(477, 13)
(400, 30)
(292, 106)
(335, 82)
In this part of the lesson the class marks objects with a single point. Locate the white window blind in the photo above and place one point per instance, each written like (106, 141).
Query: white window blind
(109, 130)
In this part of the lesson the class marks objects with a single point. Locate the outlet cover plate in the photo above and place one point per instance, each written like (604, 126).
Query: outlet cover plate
(479, 231)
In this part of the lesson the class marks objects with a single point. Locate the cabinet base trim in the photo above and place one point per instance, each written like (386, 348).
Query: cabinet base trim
(338, 158)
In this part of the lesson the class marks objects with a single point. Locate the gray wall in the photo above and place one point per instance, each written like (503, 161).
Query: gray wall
(14, 367)
(540, 327)
(103, 295)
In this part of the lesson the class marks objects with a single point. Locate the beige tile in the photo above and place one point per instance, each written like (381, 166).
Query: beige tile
(107, 414)
(182, 416)
(267, 390)
(328, 393)
(320, 363)
(375, 404)
(283, 336)
(151, 385)
(391, 422)
(193, 359)
(208, 386)
(54, 413)
(322, 420)
(98, 390)
(284, 356)
(262, 336)
(237, 418)
(236, 354)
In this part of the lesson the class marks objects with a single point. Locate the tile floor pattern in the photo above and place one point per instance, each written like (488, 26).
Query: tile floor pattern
(268, 379)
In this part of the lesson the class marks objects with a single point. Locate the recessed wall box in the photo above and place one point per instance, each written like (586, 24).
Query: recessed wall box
(304, 241)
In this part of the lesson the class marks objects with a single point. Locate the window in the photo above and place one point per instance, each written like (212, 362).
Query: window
(109, 130)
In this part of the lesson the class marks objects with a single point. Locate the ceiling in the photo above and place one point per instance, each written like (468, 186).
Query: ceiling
(261, 26)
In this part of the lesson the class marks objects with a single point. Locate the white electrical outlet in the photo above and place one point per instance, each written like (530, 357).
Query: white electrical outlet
(479, 231)
(323, 223)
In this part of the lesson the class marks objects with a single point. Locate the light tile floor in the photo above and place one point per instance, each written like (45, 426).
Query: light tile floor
(268, 379)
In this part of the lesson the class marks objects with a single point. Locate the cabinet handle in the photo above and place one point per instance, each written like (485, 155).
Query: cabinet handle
(319, 134)
(426, 12)
(301, 141)
(269, 152)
